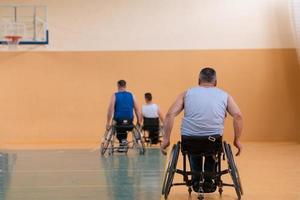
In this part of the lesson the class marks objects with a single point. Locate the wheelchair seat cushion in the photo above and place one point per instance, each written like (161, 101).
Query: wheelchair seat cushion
(206, 145)
(151, 124)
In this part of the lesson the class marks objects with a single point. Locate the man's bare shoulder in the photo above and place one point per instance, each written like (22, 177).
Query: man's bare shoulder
(113, 96)
(182, 95)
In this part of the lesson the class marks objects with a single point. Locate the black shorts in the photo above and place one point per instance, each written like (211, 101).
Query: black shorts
(123, 125)
(201, 144)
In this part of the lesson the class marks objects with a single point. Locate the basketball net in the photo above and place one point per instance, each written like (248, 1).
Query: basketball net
(13, 34)
(12, 41)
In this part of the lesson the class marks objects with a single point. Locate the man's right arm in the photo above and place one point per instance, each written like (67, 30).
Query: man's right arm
(235, 112)
(137, 112)
(110, 111)
(174, 110)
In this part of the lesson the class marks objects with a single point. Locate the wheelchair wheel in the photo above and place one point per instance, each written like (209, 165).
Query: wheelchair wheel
(139, 144)
(112, 145)
(161, 134)
(145, 139)
(171, 170)
(141, 147)
(233, 171)
(106, 140)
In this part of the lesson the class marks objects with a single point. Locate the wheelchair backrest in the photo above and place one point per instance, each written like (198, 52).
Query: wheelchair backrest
(151, 123)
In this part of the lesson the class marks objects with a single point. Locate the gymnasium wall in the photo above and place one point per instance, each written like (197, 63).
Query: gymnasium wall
(62, 97)
(57, 96)
(80, 25)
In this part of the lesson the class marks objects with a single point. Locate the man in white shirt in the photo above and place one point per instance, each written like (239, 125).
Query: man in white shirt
(151, 114)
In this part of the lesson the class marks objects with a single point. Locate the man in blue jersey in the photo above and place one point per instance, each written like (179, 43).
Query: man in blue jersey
(205, 108)
(121, 107)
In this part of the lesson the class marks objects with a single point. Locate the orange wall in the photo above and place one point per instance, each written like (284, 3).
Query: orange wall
(61, 97)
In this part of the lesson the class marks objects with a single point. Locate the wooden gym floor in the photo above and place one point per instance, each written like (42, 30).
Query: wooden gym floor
(268, 171)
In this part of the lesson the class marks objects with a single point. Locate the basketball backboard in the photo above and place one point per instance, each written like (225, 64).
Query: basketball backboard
(27, 21)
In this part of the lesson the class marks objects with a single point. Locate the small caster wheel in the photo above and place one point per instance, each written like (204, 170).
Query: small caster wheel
(201, 197)
(220, 191)
(190, 190)
(201, 193)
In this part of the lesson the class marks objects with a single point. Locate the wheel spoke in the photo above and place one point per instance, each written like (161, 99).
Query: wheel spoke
(105, 141)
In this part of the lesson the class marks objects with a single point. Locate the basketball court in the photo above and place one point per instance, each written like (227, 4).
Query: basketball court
(60, 61)
(82, 174)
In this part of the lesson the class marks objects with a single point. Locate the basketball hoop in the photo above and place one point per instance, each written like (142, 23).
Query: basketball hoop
(13, 40)
(13, 34)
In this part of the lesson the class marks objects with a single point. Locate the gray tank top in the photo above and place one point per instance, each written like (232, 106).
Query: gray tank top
(204, 111)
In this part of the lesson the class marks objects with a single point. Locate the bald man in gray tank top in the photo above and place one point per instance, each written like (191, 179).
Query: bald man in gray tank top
(205, 108)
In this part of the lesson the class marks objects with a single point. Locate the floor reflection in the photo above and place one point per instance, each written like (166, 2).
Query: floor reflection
(5, 168)
(80, 174)
(134, 176)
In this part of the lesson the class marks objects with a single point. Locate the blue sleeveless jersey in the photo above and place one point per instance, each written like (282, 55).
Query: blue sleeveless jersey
(124, 106)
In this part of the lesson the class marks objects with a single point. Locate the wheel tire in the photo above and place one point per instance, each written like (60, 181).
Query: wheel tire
(138, 142)
(233, 171)
(106, 140)
(190, 190)
(141, 147)
(220, 191)
(237, 173)
(171, 170)
(103, 148)
(200, 196)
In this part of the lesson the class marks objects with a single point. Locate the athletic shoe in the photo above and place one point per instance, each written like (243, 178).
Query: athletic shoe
(123, 146)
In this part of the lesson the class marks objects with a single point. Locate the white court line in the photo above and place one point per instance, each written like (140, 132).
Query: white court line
(148, 147)
(104, 170)
(95, 149)
(76, 186)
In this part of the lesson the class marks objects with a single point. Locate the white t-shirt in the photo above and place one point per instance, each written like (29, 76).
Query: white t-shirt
(150, 110)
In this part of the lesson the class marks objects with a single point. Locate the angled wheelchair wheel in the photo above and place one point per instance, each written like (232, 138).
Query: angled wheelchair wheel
(170, 170)
(161, 134)
(233, 171)
(106, 140)
(141, 147)
(138, 141)
(161, 131)
(111, 148)
(145, 138)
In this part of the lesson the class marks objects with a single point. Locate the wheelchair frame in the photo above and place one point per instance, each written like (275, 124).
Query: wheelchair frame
(145, 135)
(108, 141)
(172, 169)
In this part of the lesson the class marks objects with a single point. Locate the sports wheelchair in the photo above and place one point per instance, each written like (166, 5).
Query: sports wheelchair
(152, 132)
(203, 146)
(108, 141)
